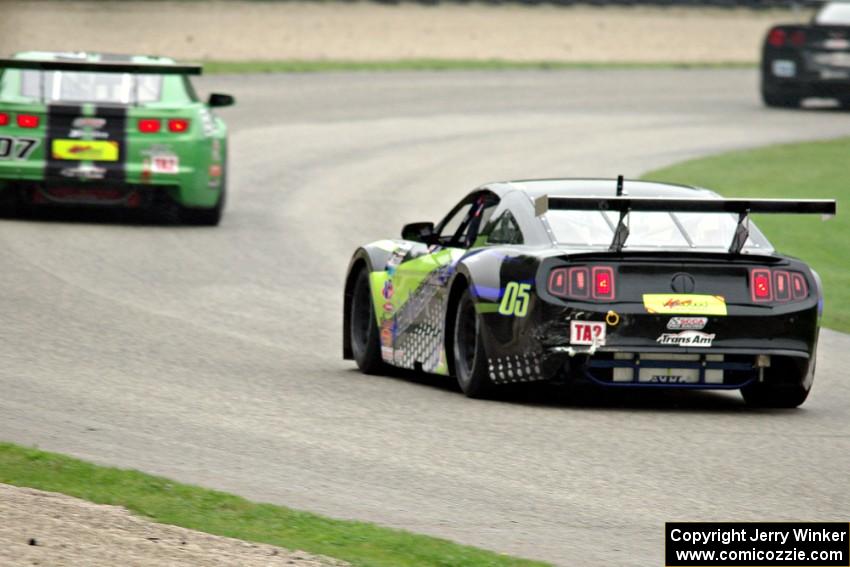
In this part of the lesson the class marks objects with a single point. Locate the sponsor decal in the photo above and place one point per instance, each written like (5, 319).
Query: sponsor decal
(684, 304)
(587, 333)
(96, 150)
(836, 43)
(87, 172)
(397, 257)
(388, 307)
(88, 122)
(388, 290)
(386, 333)
(161, 160)
(687, 339)
(96, 134)
(387, 353)
(163, 163)
(687, 323)
(399, 357)
(216, 149)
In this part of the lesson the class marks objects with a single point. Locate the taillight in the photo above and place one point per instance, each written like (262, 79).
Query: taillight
(760, 285)
(781, 285)
(798, 38)
(582, 282)
(777, 286)
(4, 119)
(178, 125)
(799, 287)
(558, 282)
(579, 283)
(777, 37)
(148, 125)
(603, 283)
(27, 121)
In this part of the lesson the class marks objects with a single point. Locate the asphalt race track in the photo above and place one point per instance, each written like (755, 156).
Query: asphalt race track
(213, 355)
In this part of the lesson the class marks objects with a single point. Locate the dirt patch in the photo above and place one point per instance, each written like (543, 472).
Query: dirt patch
(366, 31)
(45, 528)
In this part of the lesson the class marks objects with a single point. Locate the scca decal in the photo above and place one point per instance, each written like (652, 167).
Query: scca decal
(516, 299)
(684, 304)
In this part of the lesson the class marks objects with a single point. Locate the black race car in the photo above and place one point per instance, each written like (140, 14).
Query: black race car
(622, 284)
(813, 60)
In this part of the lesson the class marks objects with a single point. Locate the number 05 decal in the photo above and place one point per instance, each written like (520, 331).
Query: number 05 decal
(515, 301)
(16, 148)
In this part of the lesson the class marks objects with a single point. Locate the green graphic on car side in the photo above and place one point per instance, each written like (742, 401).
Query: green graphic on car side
(409, 296)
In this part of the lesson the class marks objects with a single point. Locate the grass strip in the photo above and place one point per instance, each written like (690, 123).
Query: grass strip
(214, 512)
(811, 170)
(317, 66)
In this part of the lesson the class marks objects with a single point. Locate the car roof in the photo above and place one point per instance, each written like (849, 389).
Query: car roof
(92, 57)
(598, 187)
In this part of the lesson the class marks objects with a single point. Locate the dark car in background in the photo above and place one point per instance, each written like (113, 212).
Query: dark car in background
(808, 60)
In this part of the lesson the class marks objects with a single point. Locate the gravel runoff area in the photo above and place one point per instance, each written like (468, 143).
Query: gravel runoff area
(368, 32)
(45, 528)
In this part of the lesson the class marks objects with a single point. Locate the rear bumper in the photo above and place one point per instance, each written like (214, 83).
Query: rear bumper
(542, 350)
(795, 73)
(90, 194)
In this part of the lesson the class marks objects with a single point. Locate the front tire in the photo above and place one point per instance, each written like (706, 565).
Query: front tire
(470, 359)
(363, 328)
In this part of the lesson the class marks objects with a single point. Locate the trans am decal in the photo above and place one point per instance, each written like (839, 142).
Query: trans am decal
(686, 339)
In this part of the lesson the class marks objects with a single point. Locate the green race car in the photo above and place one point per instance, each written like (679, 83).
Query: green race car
(110, 130)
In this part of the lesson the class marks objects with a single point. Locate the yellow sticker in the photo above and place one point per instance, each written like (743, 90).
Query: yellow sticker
(88, 150)
(684, 304)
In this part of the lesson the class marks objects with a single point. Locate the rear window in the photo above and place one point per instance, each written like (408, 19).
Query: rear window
(76, 86)
(834, 13)
(652, 230)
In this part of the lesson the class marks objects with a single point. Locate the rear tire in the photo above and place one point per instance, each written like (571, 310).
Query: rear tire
(9, 203)
(470, 359)
(208, 217)
(779, 392)
(774, 395)
(778, 100)
(363, 328)
(164, 210)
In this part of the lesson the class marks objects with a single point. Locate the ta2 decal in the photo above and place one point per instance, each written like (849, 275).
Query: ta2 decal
(587, 333)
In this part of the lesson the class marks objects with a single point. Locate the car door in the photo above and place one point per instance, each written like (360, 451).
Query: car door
(419, 287)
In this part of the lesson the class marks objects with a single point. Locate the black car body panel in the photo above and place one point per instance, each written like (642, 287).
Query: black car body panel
(657, 331)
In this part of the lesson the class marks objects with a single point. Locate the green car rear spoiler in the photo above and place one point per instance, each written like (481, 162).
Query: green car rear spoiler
(101, 66)
(741, 207)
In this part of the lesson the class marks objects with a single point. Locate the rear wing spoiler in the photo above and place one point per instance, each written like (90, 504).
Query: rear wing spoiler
(102, 66)
(741, 207)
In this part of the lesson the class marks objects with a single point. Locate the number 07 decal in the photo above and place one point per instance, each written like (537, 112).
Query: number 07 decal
(16, 148)
(515, 301)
